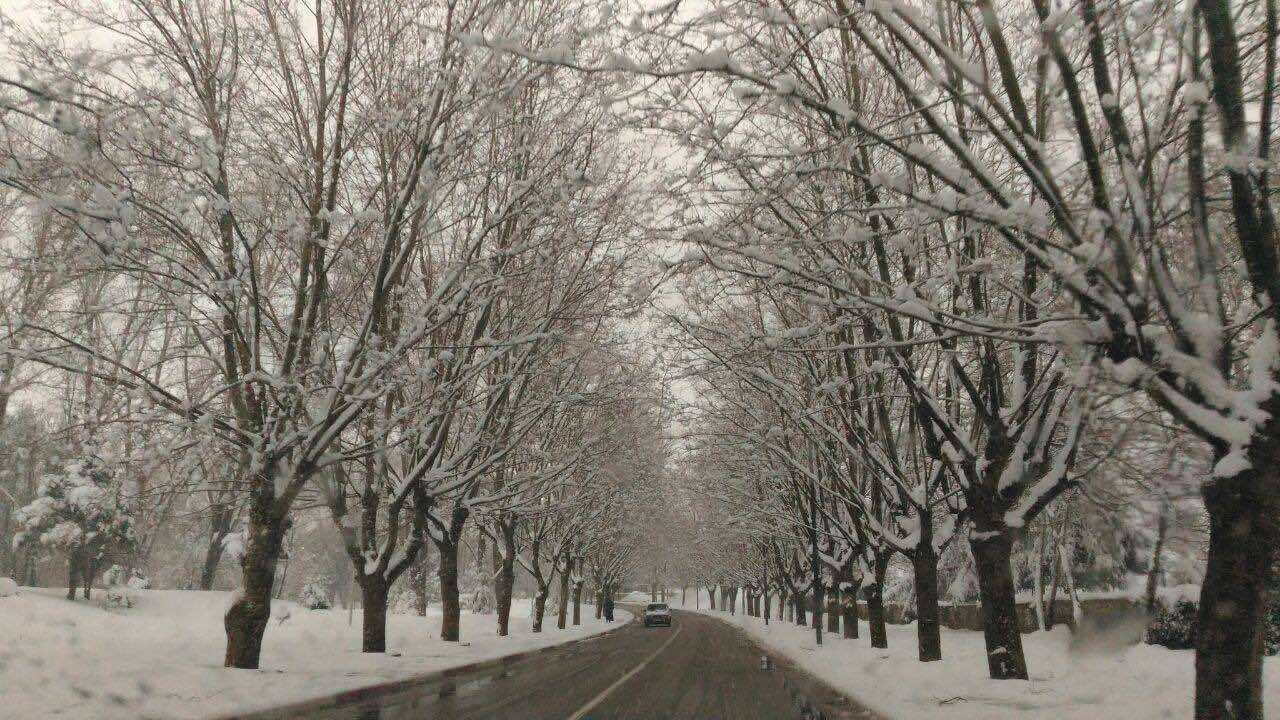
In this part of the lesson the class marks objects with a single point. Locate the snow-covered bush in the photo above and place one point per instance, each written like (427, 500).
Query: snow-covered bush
(899, 589)
(121, 596)
(404, 600)
(115, 575)
(81, 512)
(401, 601)
(315, 595)
(957, 579)
(281, 611)
(1174, 624)
(233, 545)
(123, 587)
(8, 587)
(477, 592)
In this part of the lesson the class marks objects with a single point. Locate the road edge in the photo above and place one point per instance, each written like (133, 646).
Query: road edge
(357, 695)
(781, 660)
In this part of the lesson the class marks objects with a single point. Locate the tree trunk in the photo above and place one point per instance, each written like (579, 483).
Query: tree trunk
(928, 617)
(818, 606)
(29, 567)
(450, 602)
(577, 603)
(562, 600)
(373, 592)
(768, 607)
(1005, 659)
(88, 574)
(1233, 598)
(833, 610)
(219, 528)
(245, 621)
(504, 579)
(849, 609)
(73, 575)
(1072, 596)
(503, 583)
(1039, 581)
(1153, 575)
(875, 605)
(800, 599)
(711, 593)
(418, 578)
(539, 608)
(1053, 591)
(212, 556)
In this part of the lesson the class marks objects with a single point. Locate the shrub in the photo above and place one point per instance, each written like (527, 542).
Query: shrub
(315, 596)
(120, 596)
(1174, 625)
(113, 576)
(122, 587)
(81, 511)
(476, 592)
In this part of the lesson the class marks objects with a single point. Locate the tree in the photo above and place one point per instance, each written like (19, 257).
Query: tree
(81, 512)
(286, 250)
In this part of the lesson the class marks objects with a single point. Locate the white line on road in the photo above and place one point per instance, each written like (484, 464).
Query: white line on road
(582, 712)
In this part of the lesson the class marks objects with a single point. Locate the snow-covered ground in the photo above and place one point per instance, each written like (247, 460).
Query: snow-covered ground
(163, 657)
(1142, 682)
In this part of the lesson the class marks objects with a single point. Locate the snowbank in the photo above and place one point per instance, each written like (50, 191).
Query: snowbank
(1105, 680)
(163, 658)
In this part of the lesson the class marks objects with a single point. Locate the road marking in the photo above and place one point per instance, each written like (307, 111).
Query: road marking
(605, 693)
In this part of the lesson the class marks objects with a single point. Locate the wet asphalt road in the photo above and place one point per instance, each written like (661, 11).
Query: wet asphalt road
(698, 669)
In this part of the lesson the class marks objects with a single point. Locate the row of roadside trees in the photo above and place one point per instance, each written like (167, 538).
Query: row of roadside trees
(282, 258)
(940, 254)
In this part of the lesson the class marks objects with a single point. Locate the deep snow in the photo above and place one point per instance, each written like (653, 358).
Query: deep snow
(163, 657)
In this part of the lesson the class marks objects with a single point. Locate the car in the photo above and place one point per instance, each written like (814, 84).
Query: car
(657, 614)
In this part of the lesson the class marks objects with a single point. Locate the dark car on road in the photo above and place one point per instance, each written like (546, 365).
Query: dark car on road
(657, 614)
